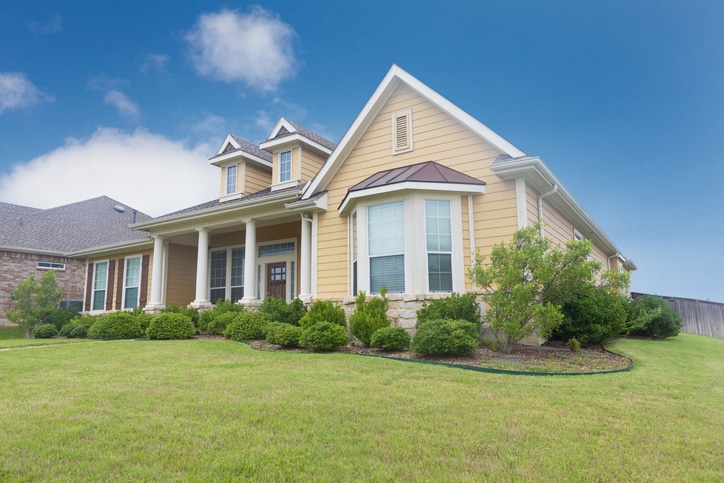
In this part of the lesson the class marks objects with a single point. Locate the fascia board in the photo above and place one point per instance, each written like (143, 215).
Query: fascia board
(314, 204)
(111, 249)
(224, 158)
(393, 78)
(32, 250)
(408, 186)
(229, 139)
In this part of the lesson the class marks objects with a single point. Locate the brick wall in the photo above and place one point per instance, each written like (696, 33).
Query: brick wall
(17, 266)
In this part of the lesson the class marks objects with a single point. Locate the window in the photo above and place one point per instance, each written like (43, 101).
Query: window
(132, 282)
(285, 166)
(577, 235)
(386, 246)
(402, 132)
(438, 231)
(226, 277)
(100, 281)
(284, 248)
(50, 266)
(231, 180)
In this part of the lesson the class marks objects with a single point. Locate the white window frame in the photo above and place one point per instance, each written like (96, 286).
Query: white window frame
(416, 273)
(231, 179)
(94, 290)
(283, 171)
(125, 281)
(44, 265)
(438, 252)
(289, 258)
(228, 287)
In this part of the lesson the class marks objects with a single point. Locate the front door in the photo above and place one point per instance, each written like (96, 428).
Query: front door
(276, 280)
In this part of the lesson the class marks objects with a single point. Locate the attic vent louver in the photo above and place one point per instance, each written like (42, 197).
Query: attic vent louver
(229, 147)
(402, 132)
(282, 132)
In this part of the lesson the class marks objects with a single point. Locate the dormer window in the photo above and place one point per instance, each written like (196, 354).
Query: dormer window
(231, 180)
(285, 166)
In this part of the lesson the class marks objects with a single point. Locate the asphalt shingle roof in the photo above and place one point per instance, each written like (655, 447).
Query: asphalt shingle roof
(68, 228)
(313, 136)
(251, 148)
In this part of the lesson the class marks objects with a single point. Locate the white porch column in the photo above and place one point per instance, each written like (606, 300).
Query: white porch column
(202, 270)
(305, 265)
(156, 301)
(250, 263)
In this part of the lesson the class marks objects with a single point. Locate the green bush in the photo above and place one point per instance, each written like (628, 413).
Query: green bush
(79, 332)
(144, 319)
(369, 316)
(454, 307)
(247, 326)
(286, 335)
(324, 311)
(324, 336)
(279, 310)
(189, 312)
(115, 325)
(391, 338)
(66, 329)
(45, 331)
(221, 307)
(60, 317)
(651, 316)
(218, 325)
(170, 325)
(592, 317)
(445, 337)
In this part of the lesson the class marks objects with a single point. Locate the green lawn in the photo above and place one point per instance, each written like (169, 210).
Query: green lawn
(214, 410)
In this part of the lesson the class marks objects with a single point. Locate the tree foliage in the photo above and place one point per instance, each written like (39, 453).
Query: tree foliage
(35, 302)
(528, 279)
(652, 316)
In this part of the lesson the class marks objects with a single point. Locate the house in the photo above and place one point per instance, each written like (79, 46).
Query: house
(412, 190)
(33, 240)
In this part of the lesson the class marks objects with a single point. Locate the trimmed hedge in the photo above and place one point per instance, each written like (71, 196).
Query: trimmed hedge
(247, 326)
(218, 324)
(454, 307)
(286, 335)
(445, 337)
(279, 310)
(45, 331)
(369, 316)
(324, 336)
(221, 307)
(324, 311)
(115, 325)
(592, 317)
(391, 339)
(169, 326)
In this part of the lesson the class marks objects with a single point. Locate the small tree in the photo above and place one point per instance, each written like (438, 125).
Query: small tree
(526, 281)
(35, 303)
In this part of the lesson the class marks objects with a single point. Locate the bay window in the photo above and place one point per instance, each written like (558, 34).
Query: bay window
(438, 237)
(386, 246)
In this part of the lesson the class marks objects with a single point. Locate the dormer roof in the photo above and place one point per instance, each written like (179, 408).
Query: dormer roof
(234, 146)
(287, 132)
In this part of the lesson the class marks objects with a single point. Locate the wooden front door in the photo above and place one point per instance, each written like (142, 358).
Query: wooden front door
(276, 280)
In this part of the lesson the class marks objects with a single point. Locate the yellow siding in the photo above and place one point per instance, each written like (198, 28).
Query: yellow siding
(181, 280)
(311, 164)
(436, 137)
(256, 178)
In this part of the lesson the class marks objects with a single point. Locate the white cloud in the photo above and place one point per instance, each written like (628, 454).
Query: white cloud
(147, 171)
(156, 62)
(52, 26)
(120, 101)
(17, 91)
(255, 48)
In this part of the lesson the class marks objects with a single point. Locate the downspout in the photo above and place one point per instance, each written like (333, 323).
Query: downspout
(616, 255)
(540, 207)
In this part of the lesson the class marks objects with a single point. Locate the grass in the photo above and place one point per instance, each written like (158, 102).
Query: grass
(12, 336)
(216, 410)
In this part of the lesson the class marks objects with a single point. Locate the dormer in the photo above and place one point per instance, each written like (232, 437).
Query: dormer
(297, 154)
(245, 169)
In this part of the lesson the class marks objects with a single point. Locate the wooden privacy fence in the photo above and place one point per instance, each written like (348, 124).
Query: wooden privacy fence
(699, 316)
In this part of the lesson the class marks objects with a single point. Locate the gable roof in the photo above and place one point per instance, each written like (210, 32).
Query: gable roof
(395, 76)
(240, 146)
(286, 130)
(68, 228)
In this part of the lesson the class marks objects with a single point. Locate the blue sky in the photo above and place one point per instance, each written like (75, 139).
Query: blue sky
(623, 100)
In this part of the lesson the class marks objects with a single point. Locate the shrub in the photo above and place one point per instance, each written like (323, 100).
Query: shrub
(454, 307)
(60, 317)
(574, 345)
(45, 331)
(144, 319)
(324, 336)
(189, 312)
(324, 311)
(445, 337)
(651, 316)
(78, 327)
(79, 332)
(221, 307)
(170, 325)
(115, 325)
(247, 326)
(66, 330)
(219, 324)
(391, 338)
(279, 310)
(286, 335)
(369, 316)
(592, 317)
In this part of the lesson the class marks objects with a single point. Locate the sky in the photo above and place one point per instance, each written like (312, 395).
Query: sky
(622, 99)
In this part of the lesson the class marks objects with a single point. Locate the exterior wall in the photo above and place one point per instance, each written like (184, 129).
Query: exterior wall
(18, 266)
(255, 178)
(311, 164)
(436, 137)
(114, 289)
(181, 275)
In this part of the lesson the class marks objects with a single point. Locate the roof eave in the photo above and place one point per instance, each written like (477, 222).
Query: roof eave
(114, 248)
